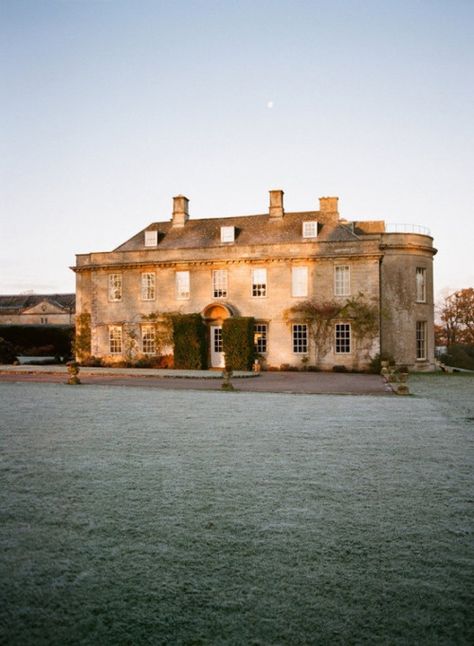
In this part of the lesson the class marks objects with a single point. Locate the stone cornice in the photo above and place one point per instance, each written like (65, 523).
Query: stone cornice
(170, 264)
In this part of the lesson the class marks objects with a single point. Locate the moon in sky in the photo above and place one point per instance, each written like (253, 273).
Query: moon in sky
(270, 105)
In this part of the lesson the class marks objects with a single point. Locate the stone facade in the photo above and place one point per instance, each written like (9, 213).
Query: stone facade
(263, 266)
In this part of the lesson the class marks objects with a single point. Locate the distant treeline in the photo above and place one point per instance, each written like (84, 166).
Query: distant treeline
(39, 340)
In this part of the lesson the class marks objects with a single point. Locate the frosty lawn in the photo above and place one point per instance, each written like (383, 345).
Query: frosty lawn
(131, 516)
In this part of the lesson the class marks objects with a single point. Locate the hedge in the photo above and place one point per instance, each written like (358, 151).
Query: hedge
(459, 355)
(190, 342)
(7, 351)
(238, 342)
(38, 340)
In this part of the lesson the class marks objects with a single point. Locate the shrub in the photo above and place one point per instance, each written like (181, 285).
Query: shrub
(339, 369)
(157, 362)
(375, 365)
(238, 342)
(190, 342)
(92, 362)
(7, 351)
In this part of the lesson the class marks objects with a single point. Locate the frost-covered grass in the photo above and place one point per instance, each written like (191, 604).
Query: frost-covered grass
(138, 516)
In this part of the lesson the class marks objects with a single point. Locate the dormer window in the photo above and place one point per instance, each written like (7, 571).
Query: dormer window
(151, 238)
(227, 234)
(310, 229)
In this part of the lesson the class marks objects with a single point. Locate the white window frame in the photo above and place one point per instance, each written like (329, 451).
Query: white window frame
(148, 339)
(342, 280)
(299, 337)
(420, 278)
(421, 341)
(259, 282)
(219, 283)
(260, 337)
(299, 281)
(183, 289)
(342, 338)
(151, 238)
(115, 288)
(310, 229)
(115, 339)
(227, 234)
(148, 286)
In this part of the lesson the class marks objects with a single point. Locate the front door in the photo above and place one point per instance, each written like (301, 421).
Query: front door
(217, 354)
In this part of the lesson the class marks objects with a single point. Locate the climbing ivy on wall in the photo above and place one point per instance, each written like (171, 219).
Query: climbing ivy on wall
(238, 342)
(320, 317)
(82, 339)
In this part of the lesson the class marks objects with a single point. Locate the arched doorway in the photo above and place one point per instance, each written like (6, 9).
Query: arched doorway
(214, 315)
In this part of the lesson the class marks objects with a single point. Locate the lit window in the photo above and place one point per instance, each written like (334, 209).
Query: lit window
(115, 339)
(421, 285)
(260, 337)
(148, 286)
(310, 229)
(219, 283)
(342, 280)
(148, 339)
(259, 282)
(300, 338)
(151, 238)
(227, 234)
(115, 287)
(299, 281)
(421, 339)
(343, 338)
(182, 285)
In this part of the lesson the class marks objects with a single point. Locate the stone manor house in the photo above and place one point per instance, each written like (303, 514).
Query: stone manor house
(264, 266)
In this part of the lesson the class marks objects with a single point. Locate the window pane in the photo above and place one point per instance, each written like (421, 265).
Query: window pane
(148, 339)
(342, 280)
(115, 287)
(343, 338)
(227, 234)
(115, 339)
(219, 283)
(300, 338)
(310, 229)
(151, 238)
(218, 343)
(299, 281)
(421, 339)
(182, 284)
(260, 337)
(148, 286)
(259, 282)
(421, 284)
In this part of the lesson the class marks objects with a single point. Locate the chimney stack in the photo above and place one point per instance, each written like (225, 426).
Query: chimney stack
(328, 209)
(180, 211)
(276, 204)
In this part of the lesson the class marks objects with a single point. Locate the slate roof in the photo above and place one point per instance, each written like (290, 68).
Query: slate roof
(17, 303)
(250, 230)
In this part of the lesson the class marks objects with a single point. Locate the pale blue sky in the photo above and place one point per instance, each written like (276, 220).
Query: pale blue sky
(111, 107)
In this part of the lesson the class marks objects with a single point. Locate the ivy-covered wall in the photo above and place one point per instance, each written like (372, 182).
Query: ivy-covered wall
(190, 342)
(238, 342)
